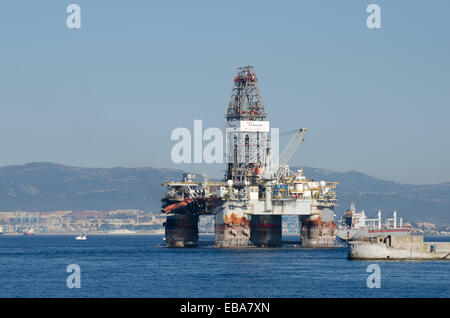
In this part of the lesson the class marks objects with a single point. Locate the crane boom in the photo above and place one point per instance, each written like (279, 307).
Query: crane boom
(288, 152)
(292, 146)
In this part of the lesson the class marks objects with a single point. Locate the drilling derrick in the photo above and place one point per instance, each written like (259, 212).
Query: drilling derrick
(246, 129)
(246, 156)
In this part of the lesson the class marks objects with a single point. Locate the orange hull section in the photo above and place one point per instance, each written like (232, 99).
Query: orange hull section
(175, 206)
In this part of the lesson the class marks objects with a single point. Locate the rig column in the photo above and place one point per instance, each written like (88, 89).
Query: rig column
(181, 230)
(231, 229)
(318, 229)
(266, 230)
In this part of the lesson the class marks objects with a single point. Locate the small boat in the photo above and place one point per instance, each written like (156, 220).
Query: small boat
(81, 237)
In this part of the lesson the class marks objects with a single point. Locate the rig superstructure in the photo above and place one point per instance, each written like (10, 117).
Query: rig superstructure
(258, 188)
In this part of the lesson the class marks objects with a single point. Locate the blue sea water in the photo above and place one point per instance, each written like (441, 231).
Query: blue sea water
(135, 266)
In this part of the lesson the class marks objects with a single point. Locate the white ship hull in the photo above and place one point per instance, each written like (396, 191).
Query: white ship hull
(366, 233)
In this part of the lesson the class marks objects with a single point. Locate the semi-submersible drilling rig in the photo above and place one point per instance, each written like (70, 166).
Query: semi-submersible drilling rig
(257, 190)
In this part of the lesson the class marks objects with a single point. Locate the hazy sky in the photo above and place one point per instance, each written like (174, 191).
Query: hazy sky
(109, 94)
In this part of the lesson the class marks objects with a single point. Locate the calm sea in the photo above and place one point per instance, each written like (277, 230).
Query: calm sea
(135, 266)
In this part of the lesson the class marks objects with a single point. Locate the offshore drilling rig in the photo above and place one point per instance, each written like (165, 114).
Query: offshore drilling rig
(258, 188)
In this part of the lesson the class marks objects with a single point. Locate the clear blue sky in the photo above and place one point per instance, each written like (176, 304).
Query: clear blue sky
(110, 93)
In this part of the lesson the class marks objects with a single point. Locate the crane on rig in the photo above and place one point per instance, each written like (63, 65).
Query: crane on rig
(287, 153)
(292, 146)
(279, 169)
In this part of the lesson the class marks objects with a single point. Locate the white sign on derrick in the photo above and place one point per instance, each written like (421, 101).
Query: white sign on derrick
(248, 126)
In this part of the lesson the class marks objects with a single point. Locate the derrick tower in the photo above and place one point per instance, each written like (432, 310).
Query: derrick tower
(246, 129)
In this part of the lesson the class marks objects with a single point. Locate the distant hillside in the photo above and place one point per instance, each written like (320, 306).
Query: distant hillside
(49, 186)
(430, 202)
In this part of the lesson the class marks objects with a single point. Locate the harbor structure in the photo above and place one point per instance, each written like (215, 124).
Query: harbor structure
(406, 247)
(258, 188)
(27, 223)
